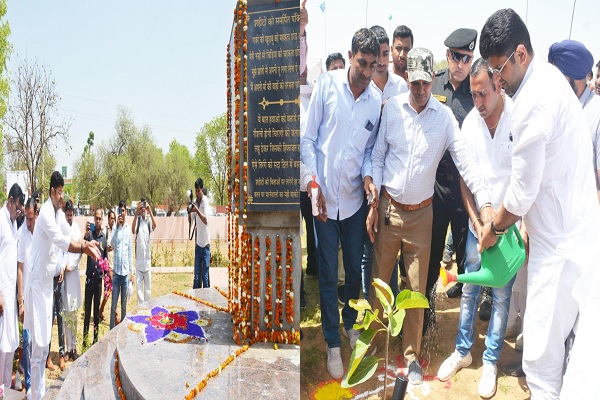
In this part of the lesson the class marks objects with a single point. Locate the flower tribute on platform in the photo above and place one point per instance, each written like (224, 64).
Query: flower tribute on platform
(159, 323)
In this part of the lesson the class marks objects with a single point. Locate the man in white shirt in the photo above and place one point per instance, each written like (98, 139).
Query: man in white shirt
(71, 287)
(416, 129)
(23, 249)
(199, 209)
(552, 187)
(50, 236)
(388, 85)
(486, 131)
(9, 327)
(573, 59)
(403, 42)
(385, 82)
(341, 126)
(143, 225)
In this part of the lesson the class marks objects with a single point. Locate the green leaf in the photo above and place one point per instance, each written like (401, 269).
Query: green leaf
(396, 321)
(409, 299)
(365, 370)
(361, 348)
(384, 294)
(360, 305)
(369, 318)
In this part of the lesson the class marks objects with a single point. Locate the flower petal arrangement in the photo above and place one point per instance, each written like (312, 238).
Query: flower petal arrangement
(160, 323)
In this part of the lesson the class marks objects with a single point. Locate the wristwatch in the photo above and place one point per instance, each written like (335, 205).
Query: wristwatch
(496, 231)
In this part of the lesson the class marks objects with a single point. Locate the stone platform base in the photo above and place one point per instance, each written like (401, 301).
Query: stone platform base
(167, 370)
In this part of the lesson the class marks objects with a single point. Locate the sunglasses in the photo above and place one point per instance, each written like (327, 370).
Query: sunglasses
(456, 56)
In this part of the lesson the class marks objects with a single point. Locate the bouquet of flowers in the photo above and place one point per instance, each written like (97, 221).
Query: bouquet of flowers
(105, 265)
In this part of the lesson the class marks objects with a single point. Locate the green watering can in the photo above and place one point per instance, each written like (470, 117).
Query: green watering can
(499, 264)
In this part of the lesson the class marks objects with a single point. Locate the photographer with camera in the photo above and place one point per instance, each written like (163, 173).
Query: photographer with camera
(199, 209)
(141, 228)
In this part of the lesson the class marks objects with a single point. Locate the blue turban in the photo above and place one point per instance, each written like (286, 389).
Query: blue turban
(571, 58)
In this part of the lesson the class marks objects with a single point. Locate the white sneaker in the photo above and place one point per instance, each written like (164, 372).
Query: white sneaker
(487, 384)
(452, 365)
(352, 335)
(519, 343)
(334, 362)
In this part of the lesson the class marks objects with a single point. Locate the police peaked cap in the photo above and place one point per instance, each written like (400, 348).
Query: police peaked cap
(462, 38)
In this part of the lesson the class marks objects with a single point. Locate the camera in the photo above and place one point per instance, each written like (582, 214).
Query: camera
(190, 206)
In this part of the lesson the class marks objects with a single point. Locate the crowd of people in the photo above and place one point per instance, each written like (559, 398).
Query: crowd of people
(401, 153)
(45, 247)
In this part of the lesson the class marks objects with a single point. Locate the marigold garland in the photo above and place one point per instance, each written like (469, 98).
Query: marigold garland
(268, 286)
(222, 292)
(278, 284)
(289, 282)
(117, 378)
(198, 388)
(256, 287)
(208, 303)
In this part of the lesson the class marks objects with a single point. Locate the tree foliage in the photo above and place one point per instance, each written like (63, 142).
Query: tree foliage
(211, 157)
(33, 125)
(128, 165)
(178, 170)
(5, 50)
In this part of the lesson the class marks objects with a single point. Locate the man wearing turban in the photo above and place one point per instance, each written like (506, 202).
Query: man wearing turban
(574, 60)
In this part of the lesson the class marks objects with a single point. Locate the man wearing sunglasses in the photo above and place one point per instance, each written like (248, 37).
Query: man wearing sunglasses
(552, 187)
(452, 88)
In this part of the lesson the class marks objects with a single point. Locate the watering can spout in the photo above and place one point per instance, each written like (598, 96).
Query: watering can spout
(499, 264)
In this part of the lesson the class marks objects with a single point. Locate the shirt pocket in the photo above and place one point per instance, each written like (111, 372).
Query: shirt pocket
(506, 151)
(360, 138)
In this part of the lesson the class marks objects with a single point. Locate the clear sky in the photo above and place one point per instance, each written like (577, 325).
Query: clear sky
(164, 61)
(548, 22)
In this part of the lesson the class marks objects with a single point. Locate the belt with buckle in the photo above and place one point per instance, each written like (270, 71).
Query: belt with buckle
(406, 207)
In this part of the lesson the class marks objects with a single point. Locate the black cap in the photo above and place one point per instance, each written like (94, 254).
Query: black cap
(463, 38)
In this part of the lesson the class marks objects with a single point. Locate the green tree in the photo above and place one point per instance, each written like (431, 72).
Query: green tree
(147, 166)
(90, 142)
(210, 159)
(178, 167)
(5, 50)
(440, 65)
(32, 118)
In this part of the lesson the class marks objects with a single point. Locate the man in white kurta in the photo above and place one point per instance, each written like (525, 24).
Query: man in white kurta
(9, 328)
(552, 187)
(23, 248)
(51, 235)
(71, 287)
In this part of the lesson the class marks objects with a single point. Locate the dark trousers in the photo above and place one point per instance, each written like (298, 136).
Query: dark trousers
(312, 259)
(447, 209)
(57, 309)
(93, 291)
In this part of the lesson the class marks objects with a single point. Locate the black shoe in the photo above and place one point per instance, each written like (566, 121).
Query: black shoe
(485, 308)
(342, 295)
(415, 373)
(515, 370)
(455, 291)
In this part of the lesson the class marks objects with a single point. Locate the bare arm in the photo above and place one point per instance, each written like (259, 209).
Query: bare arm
(470, 206)
(152, 218)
